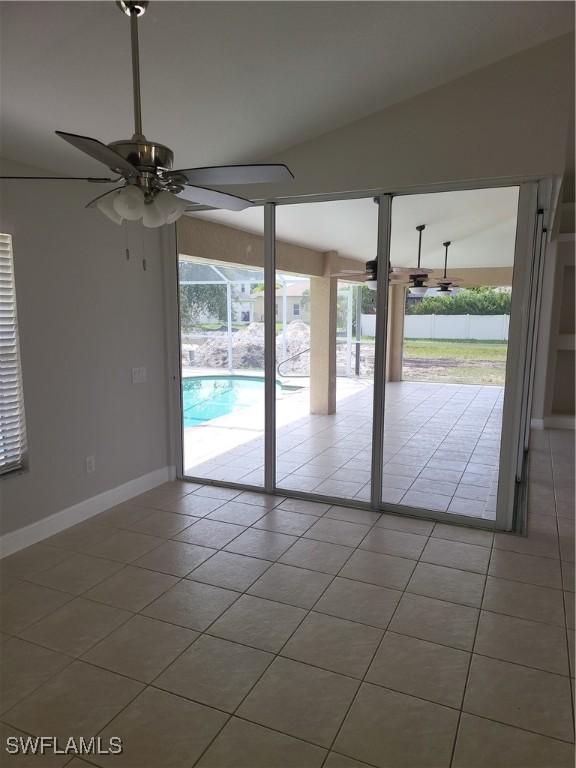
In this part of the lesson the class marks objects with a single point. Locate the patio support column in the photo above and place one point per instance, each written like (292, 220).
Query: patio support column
(323, 294)
(394, 347)
(284, 318)
(229, 326)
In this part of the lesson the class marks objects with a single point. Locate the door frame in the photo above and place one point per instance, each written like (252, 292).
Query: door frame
(528, 231)
(516, 394)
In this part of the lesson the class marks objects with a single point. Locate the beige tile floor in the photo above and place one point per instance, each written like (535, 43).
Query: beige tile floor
(207, 627)
(441, 445)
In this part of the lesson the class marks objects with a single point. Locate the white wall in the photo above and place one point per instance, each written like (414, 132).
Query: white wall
(86, 316)
(480, 327)
(485, 125)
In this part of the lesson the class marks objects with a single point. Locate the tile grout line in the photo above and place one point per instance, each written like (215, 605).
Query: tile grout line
(465, 690)
(276, 653)
(568, 631)
(363, 679)
(468, 461)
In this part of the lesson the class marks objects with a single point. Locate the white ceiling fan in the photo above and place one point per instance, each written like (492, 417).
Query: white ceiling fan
(150, 189)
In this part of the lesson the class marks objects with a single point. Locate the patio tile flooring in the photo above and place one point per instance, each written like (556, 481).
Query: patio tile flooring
(441, 446)
(368, 640)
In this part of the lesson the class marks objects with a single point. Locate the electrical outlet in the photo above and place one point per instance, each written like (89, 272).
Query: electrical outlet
(139, 375)
(90, 464)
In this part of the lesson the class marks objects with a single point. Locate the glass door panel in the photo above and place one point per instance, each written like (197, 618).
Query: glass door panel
(395, 397)
(325, 348)
(447, 347)
(222, 347)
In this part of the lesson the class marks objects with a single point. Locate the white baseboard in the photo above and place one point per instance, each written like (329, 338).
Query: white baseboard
(31, 534)
(536, 423)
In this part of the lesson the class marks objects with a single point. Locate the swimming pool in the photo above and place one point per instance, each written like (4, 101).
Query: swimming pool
(208, 397)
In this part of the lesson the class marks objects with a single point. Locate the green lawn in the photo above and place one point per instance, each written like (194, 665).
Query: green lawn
(457, 361)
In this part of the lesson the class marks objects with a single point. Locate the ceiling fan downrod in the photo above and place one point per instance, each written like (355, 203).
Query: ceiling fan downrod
(146, 155)
(418, 278)
(444, 284)
(133, 9)
(420, 228)
(446, 246)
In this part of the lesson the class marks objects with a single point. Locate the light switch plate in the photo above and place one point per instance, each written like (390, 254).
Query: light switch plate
(139, 375)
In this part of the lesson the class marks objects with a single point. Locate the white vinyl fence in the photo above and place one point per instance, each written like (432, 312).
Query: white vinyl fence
(368, 325)
(479, 327)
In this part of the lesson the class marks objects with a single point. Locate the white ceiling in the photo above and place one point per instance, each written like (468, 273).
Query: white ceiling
(481, 225)
(231, 81)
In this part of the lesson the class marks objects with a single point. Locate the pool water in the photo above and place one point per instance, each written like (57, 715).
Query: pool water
(208, 397)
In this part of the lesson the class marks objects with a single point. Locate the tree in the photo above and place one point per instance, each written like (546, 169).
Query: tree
(368, 301)
(197, 302)
(468, 301)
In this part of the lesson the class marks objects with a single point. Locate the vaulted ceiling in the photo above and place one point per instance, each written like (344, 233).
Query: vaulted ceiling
(231, 81)
(479, 223)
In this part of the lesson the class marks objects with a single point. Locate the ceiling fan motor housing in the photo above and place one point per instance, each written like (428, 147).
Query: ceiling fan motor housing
(145, 155)
(372, 266)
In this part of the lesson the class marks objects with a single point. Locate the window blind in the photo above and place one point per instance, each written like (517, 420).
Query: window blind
(12, 425)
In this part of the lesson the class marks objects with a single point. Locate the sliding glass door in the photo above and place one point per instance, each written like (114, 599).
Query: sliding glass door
(324, 348)
(221, 278)
(452, 264)
(356, 351)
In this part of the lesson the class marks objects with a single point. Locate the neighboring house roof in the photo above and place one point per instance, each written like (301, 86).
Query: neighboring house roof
(294, 290)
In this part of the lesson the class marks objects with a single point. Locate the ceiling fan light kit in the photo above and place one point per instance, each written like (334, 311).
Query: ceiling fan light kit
(129, 203)
(151, 190)
(105, 205)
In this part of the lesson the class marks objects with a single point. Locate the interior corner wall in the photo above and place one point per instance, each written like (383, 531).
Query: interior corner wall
(555, 291)
(87, 315)
(507, 120)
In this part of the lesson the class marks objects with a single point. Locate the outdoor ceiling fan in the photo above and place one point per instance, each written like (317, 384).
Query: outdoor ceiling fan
(150, 189)
(415, 276)
(445, 285)
(369, 276)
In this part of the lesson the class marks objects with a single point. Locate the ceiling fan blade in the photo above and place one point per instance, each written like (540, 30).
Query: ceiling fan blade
(220, 175)
(93, 179)
(210, 197)
(100, 152)
(412, 270)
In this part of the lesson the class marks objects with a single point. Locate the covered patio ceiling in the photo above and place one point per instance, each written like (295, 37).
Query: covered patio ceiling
(481, 224)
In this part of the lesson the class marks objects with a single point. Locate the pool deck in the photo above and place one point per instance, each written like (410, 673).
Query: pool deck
(441, 445)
